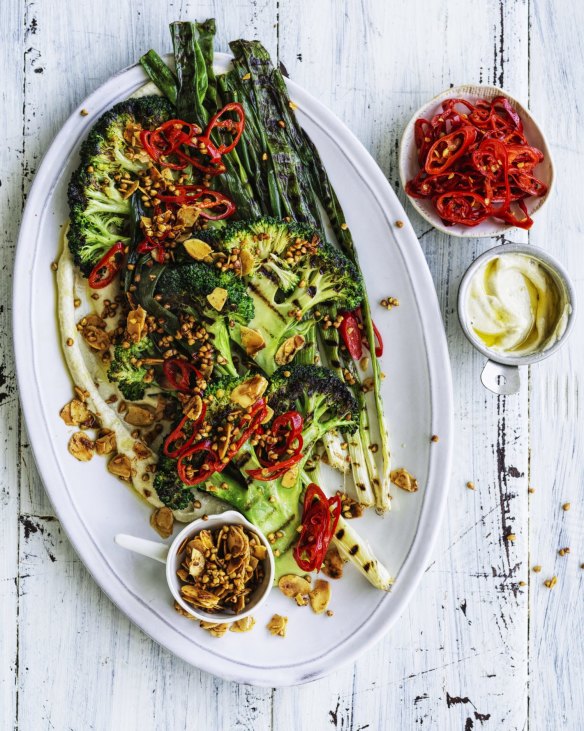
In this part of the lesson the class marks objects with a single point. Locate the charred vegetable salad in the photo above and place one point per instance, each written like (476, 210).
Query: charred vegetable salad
(226, 348)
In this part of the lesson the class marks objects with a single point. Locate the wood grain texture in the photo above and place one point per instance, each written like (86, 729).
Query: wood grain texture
(556, 389)
(461, 656)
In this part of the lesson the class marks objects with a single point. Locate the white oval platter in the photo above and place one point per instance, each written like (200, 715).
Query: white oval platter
(93, 506)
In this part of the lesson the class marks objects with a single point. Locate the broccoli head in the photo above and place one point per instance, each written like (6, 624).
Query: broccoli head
(169, 487)
(266, 241)
(325, 402)
(99, 212)
(128, 371)
(192, 283)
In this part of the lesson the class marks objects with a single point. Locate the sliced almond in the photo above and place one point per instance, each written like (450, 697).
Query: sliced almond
(162, 520)
(120, 466)
(197, 249)
(333, 563)
(248, 392)
(139, 415)
(402, 478)
(277, 625)
(286, 352)
(81, 447)
(243, 625)
(141, 450)
(217, 298)
(215, 628)
(290, 477)
(135, 323)
(130, 190)
(65, 414)
(196, 562)
(292, 585)
(187, 216)
(320, 596)
(106, 442)
(247, 262)
(252, 340)
(193, 407)
(182, 611)
(96, 338)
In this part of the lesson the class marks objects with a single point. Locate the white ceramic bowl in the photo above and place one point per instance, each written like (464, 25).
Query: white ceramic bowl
(408, 160)
(171, 556)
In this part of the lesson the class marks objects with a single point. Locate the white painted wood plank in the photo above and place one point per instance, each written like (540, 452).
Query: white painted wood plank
(374, 65)
(556, 385)
(11, 170)
(125, 680)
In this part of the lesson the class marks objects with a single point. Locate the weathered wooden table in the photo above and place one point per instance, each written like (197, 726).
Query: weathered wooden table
(484, 643)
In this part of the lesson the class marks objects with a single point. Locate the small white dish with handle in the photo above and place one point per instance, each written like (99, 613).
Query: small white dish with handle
(170, 555)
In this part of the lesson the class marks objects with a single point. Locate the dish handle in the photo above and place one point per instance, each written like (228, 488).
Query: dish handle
(501, 379)
(152, 549)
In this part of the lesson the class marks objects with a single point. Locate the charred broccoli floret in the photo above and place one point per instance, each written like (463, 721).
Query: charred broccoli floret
(128, 371)
(99, 210)
(291, 273)
(168, 486)
(324, 401)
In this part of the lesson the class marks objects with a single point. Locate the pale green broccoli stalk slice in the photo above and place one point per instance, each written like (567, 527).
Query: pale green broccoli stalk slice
(356, 550)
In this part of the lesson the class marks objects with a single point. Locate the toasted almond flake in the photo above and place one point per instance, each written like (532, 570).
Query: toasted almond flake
(403, 479)
(197, 249)
(248, 392)
(162, 520)
(243, 625)
(290, 477)
(252, 340)
(277, 625)
(139, 414)
(106, 442)
(247, 262)
(287, 351)
(81, 447)
(120, 466)
(320, 596)
(333, 563)
(292, 585)
(135, 323)
(217, 298)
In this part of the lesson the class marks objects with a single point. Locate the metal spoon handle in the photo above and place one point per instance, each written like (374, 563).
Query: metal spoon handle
(501, 379)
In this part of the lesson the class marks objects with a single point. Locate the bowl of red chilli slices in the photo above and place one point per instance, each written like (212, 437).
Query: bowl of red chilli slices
(475, 163)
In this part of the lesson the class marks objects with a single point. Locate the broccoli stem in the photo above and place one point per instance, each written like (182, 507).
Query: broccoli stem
(359, 444)
(268, 91)
(356, 550)
(160, 74)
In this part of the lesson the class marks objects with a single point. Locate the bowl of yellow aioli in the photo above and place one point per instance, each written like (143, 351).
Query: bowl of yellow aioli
(516, 305)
